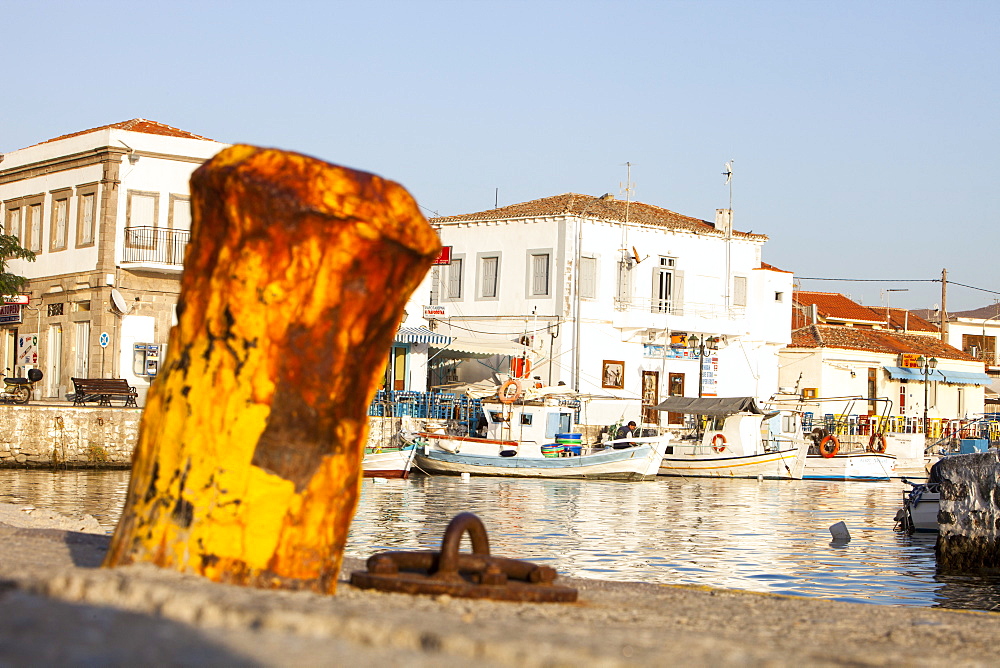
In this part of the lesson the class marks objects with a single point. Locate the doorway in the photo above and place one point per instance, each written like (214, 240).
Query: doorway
(650, 397)
(675, 388)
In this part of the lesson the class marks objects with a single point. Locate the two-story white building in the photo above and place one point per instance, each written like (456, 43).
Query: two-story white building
(107, 213)
(615, 299)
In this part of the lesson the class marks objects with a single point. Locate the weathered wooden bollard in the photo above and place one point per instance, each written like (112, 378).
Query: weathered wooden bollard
(248, 464)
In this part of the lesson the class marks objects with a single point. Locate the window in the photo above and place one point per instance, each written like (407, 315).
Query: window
(538, 265)
(663, 286)
(34, 229)
(779, 296)
(453, 289)
(86, 214)
(180, 213)
(14, 222)
(588, 278)
(55, 309)
(60, 221)
(142, 209)
(489, 276)
(739, 290)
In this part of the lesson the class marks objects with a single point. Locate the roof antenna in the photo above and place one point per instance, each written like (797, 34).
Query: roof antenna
(496, 199)
(627, 188)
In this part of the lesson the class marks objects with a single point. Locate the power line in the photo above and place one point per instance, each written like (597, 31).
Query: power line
(894, 280)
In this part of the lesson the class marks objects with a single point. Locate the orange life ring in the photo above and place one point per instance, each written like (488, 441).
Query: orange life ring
(718, 442)
(829, 451)
(510, 391)
(876, 443)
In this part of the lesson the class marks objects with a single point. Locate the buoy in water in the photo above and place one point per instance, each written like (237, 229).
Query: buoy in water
(840, 533)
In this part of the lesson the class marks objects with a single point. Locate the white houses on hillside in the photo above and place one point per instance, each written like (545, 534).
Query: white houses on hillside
(107, 212)
(615, 298)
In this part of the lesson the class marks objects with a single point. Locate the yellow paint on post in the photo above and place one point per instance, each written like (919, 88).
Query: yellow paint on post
(248, 464)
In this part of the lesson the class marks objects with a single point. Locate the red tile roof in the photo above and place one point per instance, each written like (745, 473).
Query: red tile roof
(835, 306)
(874, 340)
(603, 208)
(136, 125)
(771, 267)
(898, 319)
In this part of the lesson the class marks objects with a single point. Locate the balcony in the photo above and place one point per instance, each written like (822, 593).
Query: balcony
(155, 249)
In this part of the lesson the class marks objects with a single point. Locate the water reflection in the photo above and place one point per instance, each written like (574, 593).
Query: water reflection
(770, 536)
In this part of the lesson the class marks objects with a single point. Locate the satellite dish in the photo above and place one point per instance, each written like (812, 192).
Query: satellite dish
(118, 302)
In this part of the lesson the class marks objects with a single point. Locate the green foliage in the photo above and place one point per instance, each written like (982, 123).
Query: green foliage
(11, 249)
(96, 454)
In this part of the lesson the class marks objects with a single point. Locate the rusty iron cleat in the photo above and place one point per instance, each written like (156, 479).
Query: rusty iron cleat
(475, 575)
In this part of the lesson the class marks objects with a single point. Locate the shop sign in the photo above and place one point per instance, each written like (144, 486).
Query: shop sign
(909, 360)
(10, 314)
(432, 312)
(16, 299)
(445, 256)
(27, 350)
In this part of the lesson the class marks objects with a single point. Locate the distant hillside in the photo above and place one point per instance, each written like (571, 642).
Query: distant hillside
(931, 315)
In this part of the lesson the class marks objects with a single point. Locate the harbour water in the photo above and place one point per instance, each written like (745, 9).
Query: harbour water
(768, 536)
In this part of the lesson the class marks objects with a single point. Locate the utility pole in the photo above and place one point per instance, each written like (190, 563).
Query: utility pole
(944, 305)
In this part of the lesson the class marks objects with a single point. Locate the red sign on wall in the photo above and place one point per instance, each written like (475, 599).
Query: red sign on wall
(445, 256)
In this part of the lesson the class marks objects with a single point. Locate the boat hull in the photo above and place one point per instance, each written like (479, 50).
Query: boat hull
(780, 465)
(636, 463)
(388, 464)
(924, 513)
(866, 466)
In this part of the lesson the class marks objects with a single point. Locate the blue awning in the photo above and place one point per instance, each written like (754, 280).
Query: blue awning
(420, 335)
(966, 378)
(909, 373)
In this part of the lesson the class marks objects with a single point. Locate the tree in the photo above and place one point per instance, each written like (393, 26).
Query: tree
(11, 249)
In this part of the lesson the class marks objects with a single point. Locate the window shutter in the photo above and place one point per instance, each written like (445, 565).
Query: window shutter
(455, 279)
(489, 286)
(540, 274)
(739, 290)
(677, 298)
(588, 277)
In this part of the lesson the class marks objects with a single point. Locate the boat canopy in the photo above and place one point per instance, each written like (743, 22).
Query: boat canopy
(716, 406)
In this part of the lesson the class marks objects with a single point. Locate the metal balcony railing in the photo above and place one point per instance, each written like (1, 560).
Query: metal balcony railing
(156, 245)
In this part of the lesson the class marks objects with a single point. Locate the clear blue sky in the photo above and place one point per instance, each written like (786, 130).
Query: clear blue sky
(865, 134)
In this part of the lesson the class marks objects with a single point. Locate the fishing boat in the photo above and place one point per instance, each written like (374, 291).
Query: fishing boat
(836, 450)
(739, 440)
(392, 461)
(531, 438)
(921, 503)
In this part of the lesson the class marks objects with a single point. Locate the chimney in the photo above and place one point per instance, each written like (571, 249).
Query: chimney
(724, 220)
(814, 314)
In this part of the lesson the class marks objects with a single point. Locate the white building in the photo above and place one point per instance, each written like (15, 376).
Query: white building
(107, 213)
(840, 348)
(599, 289)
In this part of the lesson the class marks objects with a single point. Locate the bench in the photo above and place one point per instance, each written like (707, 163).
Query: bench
(102, 390)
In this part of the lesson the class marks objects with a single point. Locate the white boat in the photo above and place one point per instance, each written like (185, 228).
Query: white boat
(834, 454)
(533, 440)
(388, 462)
(739, 441)
(920, 507)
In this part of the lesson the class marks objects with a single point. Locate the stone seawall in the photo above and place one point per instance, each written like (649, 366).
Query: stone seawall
(38, 436)
(64, 436)
(969, 516)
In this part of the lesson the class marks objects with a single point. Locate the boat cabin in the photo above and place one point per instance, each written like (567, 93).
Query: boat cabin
(525, 423)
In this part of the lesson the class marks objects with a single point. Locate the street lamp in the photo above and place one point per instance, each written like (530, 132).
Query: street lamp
(926, 366)
(702, 344)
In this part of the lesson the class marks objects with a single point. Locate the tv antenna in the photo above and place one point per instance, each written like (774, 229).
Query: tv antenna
(728, 173)
(626, 188)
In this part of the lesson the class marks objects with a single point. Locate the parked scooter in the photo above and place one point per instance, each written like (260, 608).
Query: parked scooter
(18, 390)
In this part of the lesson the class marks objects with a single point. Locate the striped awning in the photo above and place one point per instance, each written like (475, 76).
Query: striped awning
(420, 335)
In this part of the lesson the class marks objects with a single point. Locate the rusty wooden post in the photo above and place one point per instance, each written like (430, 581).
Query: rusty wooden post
(248, 465)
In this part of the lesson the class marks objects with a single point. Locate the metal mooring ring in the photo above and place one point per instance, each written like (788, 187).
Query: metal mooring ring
(475, 575)
(448, 558)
